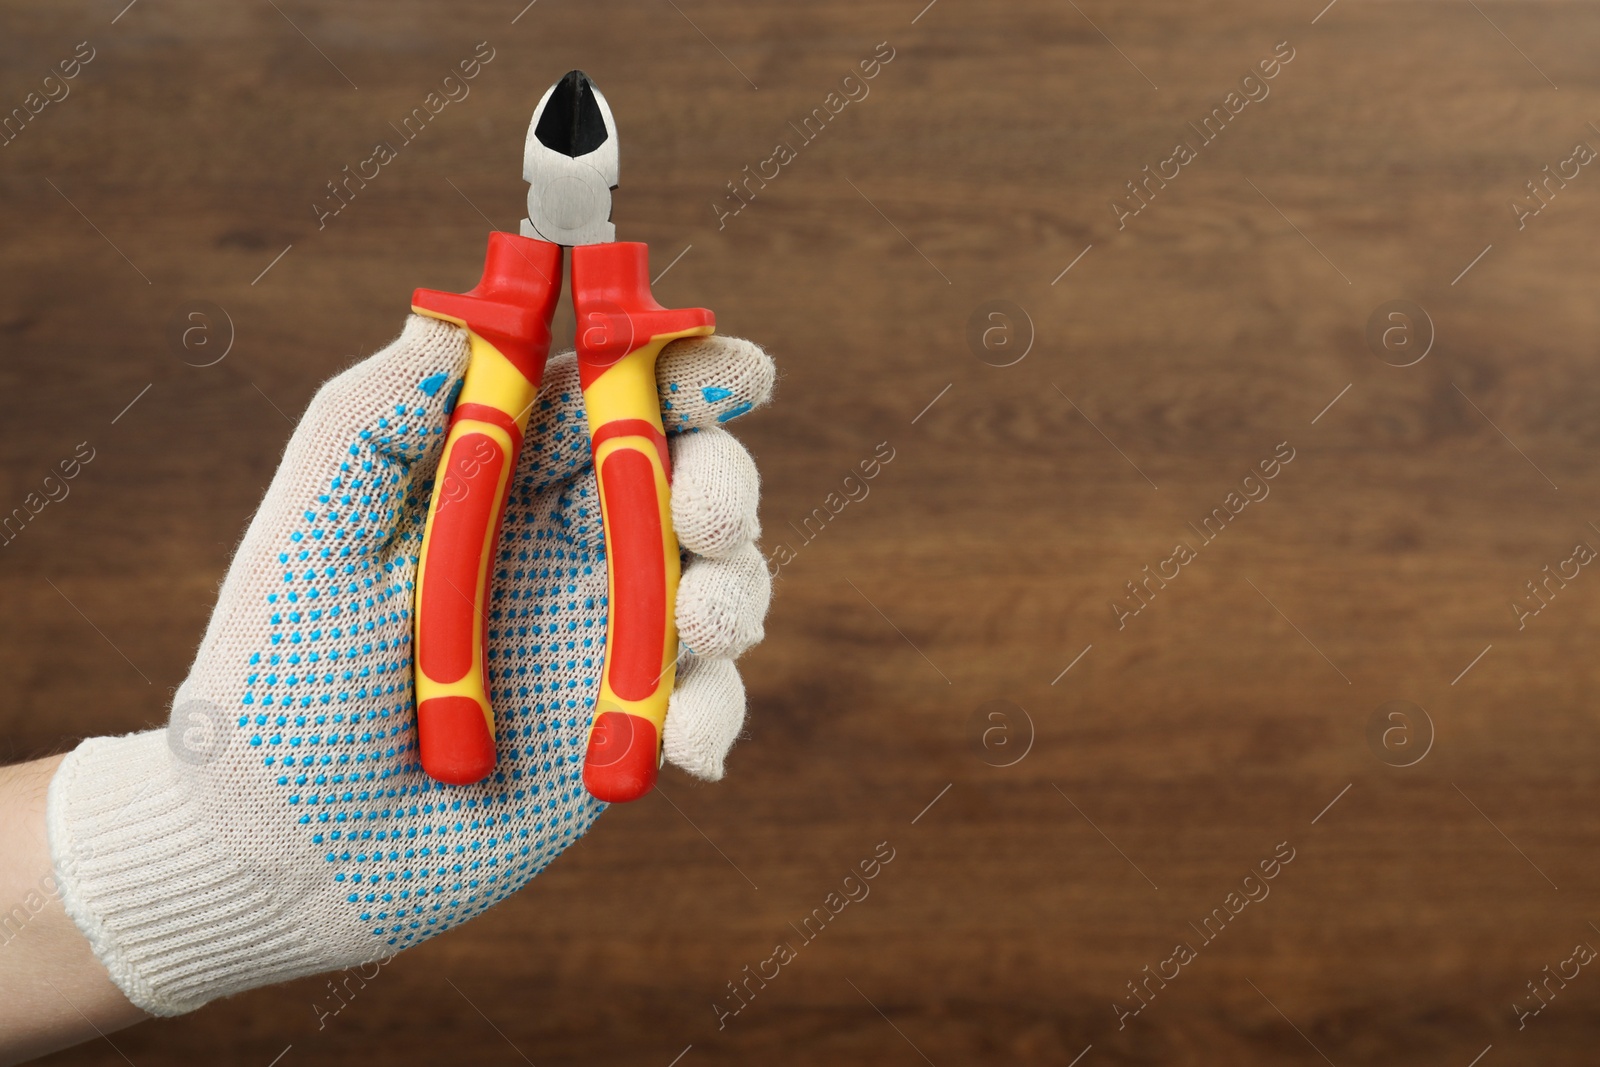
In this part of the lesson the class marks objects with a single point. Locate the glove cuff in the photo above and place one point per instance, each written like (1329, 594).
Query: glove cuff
(175, 919)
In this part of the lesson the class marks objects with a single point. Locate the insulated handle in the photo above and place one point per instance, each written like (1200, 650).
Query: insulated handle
(621, 331)
(507, 317)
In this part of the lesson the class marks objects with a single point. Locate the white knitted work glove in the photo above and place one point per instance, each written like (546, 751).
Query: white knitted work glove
(281, 824)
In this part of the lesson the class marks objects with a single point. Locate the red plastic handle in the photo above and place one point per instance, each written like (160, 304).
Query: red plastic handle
(508, 322)
(621, 331)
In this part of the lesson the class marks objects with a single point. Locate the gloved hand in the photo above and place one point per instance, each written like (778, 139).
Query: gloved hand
(281, 824)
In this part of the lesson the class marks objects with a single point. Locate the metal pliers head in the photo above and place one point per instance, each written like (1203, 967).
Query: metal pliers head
(570, 165)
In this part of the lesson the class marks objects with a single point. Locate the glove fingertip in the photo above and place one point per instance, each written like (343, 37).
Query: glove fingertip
(707, 381)
(722, 603)
(716, 493)
(705, 717)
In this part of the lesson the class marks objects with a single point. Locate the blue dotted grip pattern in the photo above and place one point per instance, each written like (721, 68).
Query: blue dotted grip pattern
(329, 704)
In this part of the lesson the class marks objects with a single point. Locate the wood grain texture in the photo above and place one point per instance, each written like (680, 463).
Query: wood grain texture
(1175, 755)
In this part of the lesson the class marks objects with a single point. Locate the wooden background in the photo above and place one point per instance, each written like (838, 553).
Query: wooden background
(1174, 755)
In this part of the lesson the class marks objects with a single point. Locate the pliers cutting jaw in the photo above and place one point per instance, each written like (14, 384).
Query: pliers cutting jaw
(570, 163)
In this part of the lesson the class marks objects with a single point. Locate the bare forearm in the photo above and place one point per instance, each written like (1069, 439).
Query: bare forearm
(53, 992)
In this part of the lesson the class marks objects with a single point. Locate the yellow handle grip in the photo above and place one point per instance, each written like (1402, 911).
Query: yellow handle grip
(631, 468)
(507, 318)
(455, 720)
(621, 331)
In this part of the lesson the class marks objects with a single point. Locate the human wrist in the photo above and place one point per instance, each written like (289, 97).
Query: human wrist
(55, 992)
(176, 917)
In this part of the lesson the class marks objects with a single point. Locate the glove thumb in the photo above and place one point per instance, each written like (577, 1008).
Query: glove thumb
(395, 403)
(368, 438)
